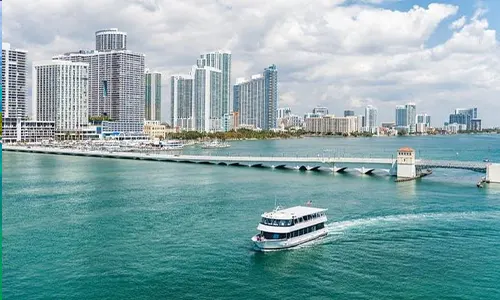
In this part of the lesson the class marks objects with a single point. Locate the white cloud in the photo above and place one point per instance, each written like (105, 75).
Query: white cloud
(342, 56)
(459, 23)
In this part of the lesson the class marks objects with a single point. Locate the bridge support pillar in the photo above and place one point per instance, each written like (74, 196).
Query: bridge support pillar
(493, 173)
(406, 163)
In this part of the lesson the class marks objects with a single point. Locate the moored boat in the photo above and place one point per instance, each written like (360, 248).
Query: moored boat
(214, 145)
(290, 227)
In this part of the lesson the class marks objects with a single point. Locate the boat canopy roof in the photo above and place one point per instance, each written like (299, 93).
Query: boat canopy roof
(293, 212)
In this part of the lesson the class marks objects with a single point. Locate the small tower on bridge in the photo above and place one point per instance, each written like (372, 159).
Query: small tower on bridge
(406, 163)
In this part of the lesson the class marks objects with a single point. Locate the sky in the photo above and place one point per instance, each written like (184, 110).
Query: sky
(343, 54)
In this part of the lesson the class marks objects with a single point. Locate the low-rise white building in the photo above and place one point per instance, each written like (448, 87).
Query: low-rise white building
(331, 124)
(26, 131)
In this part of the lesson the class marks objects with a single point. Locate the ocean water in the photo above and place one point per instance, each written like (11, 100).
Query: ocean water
(91, 228)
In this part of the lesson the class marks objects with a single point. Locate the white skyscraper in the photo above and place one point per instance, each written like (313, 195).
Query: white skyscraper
(181, 96)
(221, 60)
(371, 118)
(14, 89)
(411, 110)
(110, 39)
(60, 94)
(116, 81)
(207, 106)
(249, 97)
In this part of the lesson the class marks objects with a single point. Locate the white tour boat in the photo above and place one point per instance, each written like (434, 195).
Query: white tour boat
(286, 228)
(215, 145)
(172, 145)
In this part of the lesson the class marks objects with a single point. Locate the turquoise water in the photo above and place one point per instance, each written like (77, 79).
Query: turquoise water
(89, 228)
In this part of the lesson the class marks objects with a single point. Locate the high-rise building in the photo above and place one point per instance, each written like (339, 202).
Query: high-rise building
(464, 116)
(14, 89)
(411, 110)
(406, 115)
(424, 119)
(320, 110)
(60, 94)
(371, 113)
(401, 116)
(153, 96)
(249, 97)
(207, 104)
(361, 122)
(110, 39)
(271, 97)
(467, 111)
(459, 119)
(284, 112)
(256, 99)
(348, 113)
(221, 60)
(181, 96)
(117, 81)
(476, 125)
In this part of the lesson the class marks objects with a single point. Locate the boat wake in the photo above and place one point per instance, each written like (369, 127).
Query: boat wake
(340, 227)
(337, 229)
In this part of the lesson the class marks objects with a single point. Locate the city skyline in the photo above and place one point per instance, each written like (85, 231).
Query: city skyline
(456, 47)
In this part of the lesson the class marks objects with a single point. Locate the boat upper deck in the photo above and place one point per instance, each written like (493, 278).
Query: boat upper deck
(293, 212)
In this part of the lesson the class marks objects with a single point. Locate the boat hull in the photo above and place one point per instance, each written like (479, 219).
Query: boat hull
(272, 245)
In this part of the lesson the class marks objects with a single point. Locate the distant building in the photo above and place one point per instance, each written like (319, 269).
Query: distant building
(406, 116)
(464, 116)
(256, 99)
(207, 101)
(152, 109)
(249, 98)
(181, 97)
(221, 60)
(283, 112)
(156, 130)
(116, 80)
(371, 113)
(26, 131)
(459, 119)
(14, 78)
(320, 110)
(401, 116)
(421, 128)
(424, 119)
(411, 110)
(388, 125)
(312, 115)
(110, 39)
(60, 95)
(230, 121)
(361, 122)
(348, 113)
(476, 125)
(328, 124)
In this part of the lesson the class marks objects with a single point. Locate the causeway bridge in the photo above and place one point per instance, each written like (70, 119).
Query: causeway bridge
(333, 164)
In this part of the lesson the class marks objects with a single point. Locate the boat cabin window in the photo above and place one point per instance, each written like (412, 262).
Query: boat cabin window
(273, 236)
(305, 230)
(276, 222)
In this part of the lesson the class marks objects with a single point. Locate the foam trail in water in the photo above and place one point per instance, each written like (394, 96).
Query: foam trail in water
(341, 226)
